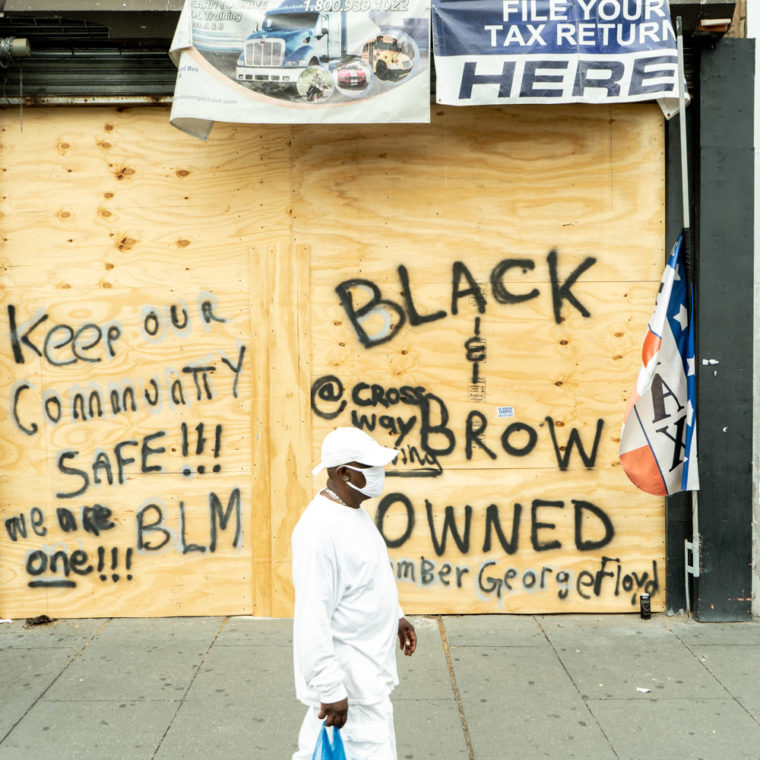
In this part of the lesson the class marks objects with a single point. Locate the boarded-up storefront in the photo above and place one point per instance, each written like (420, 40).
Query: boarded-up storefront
(184, 322)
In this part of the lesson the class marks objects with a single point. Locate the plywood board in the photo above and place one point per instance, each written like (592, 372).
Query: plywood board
(289, 418)
(130, 375)
(482, 310)
(128, 435)
(513, 254)
(106, 198)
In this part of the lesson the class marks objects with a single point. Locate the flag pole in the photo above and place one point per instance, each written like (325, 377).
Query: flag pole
(691, 548)
(682, 122)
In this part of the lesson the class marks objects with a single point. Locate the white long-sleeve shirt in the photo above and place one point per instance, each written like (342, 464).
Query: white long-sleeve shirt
(347, 611)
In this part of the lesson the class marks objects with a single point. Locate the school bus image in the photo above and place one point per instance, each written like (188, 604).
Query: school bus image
(389, 59)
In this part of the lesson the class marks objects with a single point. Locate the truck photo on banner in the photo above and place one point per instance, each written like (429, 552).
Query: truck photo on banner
(551, 51)
(301, 61)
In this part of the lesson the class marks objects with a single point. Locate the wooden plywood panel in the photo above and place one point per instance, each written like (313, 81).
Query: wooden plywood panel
(105, 197)
(574, 372)
(286, 441)
(131, 385)
(485, 180)
(157, 546)
(131, 439)
(522, 544)
(479, 293)
(521, 248)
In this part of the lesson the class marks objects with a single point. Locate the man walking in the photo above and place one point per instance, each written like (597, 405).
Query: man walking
(347, 614)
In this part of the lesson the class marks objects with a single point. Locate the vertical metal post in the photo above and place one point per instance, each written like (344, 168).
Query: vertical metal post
(691, 548)
(682, 122)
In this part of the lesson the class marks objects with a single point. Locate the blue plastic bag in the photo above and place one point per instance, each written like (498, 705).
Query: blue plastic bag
(327, 751)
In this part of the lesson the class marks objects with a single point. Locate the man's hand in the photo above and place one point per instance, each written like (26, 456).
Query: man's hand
(407, 638)
(335, 713)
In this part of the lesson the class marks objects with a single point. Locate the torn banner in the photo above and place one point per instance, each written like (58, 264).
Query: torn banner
(301, 61)
(658, 444)
(555, 51)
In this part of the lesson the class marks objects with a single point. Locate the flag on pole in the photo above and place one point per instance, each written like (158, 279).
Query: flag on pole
(658, 444)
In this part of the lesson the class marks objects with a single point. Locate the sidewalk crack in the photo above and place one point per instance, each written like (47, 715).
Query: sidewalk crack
(190, 686)
(706, 667)
(455, 688)
(575, 686)
(74, 657)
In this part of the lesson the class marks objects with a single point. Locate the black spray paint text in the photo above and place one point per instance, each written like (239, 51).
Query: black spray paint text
(56, 565)
(495, 582)
(63, 344)
(463, 285)
(93, 519)
(390, 408)
(609, 578)
(497, 529)
(154, 532)
(139, 455)
(64, 565)
(179, 387)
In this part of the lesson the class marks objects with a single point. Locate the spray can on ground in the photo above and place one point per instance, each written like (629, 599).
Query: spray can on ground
(646, 606)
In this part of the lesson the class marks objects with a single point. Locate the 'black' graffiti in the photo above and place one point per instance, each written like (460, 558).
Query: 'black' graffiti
(362, 298)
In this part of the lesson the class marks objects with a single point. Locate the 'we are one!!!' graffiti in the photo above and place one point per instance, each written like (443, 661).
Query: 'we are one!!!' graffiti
(420, 425)
(84, 537)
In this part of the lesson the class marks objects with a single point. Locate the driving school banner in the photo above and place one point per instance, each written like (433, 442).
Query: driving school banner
(301, 61)
(550, 51)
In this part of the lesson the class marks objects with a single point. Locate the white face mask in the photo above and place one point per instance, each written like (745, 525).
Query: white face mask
(374, 477)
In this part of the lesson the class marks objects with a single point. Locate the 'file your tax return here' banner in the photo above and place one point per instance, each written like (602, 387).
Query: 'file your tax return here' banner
(550, 51)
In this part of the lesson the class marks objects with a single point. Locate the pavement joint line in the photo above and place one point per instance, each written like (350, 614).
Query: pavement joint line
(712, 675)
(74, 657)
(455, 688)
(597, 700)
(181, 701)
(575, 686)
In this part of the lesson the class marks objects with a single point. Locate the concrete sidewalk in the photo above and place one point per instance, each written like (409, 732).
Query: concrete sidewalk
(479, 687)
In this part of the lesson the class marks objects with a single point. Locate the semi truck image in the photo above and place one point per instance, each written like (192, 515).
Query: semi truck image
(294, 37)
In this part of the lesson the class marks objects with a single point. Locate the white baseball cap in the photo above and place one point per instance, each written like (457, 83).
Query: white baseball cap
(348, 444)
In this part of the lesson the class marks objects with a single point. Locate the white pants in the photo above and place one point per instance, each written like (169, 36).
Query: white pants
(367, 735)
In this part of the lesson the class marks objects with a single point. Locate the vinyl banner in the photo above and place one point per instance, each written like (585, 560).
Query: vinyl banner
(301, 61)
(551, 51)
